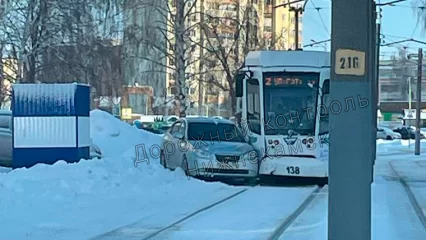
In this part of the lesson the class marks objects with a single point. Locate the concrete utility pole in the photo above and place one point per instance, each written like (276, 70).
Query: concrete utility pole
(296, 11)
(274, 23)
(419, 100)
(349, 211)
(374, 86)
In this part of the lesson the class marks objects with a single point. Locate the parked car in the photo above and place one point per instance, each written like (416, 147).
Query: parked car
(209, 147)
(6, 147)
(387, 133)
(5, 138)
(407, 132)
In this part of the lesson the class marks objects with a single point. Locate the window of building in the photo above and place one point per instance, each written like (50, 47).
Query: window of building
(173, 89)
(171, 62)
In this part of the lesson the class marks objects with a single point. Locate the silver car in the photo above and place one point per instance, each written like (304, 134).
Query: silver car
(387, 133)
(6, 147)
(209, 148)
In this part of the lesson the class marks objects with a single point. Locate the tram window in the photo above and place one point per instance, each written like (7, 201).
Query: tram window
(253, 106)
(325, 102)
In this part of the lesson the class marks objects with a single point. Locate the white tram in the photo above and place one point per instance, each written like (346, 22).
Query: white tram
(281, 96)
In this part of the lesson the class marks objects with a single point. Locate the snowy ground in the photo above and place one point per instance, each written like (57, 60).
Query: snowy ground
(83, 200)
(112, 199)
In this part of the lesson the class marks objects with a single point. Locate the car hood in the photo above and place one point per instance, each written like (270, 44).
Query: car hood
(222, 147)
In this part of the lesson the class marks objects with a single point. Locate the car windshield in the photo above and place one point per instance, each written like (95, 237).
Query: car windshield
(223, 132)
(287, 98)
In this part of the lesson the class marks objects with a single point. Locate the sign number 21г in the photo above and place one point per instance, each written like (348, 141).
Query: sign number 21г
(350, 62)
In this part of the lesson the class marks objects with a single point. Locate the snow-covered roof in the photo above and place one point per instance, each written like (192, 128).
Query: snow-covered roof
(316, 59)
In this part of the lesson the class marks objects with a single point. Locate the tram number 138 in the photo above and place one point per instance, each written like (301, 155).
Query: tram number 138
(293, 170)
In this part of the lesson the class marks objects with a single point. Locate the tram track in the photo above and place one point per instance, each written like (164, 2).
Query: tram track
(230, 210)
(410, 194)
(270, 233)
(279, 231)
(193, 214)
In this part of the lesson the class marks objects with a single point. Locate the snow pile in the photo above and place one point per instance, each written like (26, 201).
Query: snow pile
(398, 146)
(80, 200)
(383, 146)
(114, 137)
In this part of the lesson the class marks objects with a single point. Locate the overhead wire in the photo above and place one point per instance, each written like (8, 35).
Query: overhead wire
(320, 16)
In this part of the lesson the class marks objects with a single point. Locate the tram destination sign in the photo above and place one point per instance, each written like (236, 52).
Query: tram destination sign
(291, 79)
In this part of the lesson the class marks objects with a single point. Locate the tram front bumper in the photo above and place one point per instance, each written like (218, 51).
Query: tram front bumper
(294, 166)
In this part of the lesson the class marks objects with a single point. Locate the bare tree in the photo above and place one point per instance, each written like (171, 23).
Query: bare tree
(169, 40)
(2, 44)
(30, 28)
(62, 41)
(90, 52)
(230, 34)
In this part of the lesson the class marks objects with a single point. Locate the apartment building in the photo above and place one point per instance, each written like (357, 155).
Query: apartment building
(144, 56)
(285, 24)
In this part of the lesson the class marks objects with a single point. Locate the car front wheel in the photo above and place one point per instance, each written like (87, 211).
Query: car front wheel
(185, 165)
(163, 159)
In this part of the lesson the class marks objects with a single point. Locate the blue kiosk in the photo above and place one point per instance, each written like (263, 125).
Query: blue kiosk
(51, 122)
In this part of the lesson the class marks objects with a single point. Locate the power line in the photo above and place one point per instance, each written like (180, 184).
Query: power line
(320, 16)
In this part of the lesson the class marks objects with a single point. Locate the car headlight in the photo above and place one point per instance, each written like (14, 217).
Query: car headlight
(251, 155)
(202, 154)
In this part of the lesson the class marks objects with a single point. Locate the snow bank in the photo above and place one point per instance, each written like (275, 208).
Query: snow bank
(80, 200)
(398, 146)
(114, 137)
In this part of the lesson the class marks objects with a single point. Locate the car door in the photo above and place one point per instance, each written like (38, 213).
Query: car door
(171, 147)
(181, 143)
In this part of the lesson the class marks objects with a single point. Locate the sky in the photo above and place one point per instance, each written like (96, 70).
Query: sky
(399, 22)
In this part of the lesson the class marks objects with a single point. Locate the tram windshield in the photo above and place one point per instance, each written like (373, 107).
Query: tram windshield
(290, 100)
